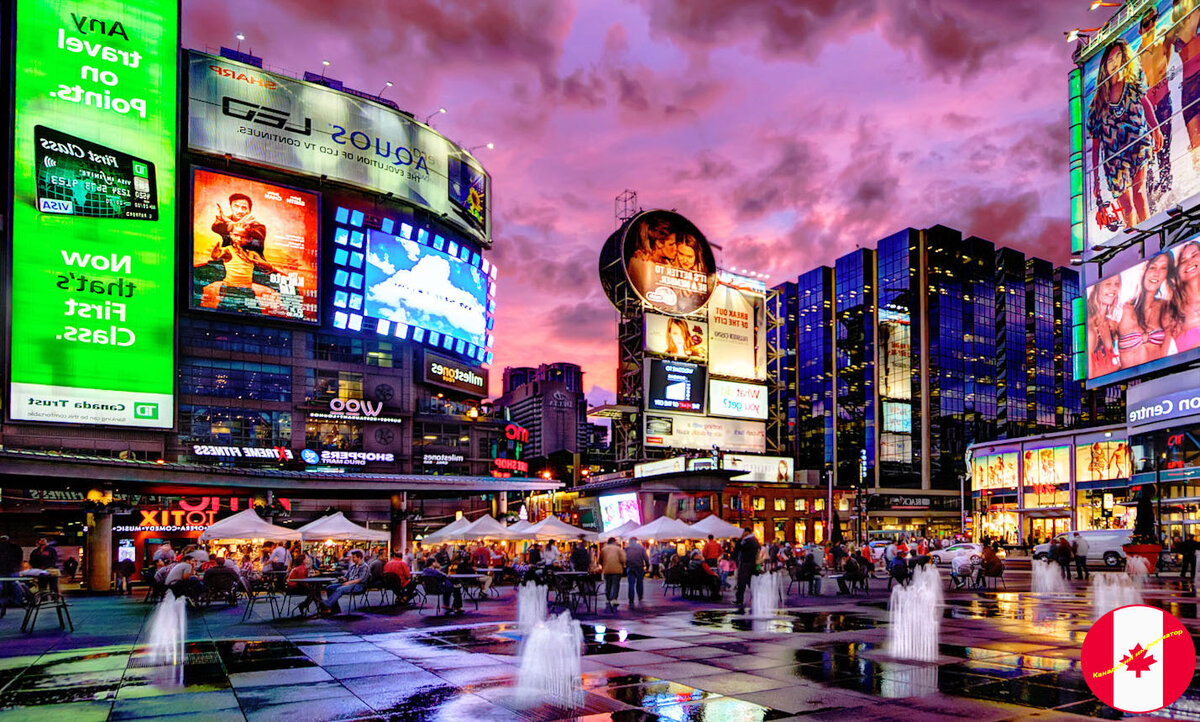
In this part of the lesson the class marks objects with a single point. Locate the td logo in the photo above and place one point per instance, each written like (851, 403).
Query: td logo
(145, 411)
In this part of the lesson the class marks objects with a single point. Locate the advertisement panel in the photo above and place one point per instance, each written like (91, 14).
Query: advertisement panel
(1046, 475)
(419, 286)
(271, 119)
(451, 374)
(737, 400)
(1141, 101)
(678, 338)
(675, 386)
(254, 247)
(1103, 461)
(616, 509)
(681, 431)
(661, 466)
(737, 333)
(668, 262)
(1146, 317)
(93, 289)
(992, 472)
(895, 346)
(770, 469)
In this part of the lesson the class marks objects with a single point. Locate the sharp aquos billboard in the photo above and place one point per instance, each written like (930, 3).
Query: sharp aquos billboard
(93, 217)
(273, 120)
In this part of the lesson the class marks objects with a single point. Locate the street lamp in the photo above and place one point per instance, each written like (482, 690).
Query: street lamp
(1101, 4)
(382, 90)
(439, 111)
(324, 65)
(489, 146)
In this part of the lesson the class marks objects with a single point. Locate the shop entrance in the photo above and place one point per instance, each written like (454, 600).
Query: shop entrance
(1044, 529)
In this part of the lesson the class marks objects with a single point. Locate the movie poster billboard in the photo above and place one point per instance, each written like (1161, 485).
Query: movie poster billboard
(684, 431)
(1139, 117)
(668, 262)
(737, 333)
(994, 472)
(1047, 471)
(1146, 317)
(93, 217)
(254, 247)
(678, 338)
(1102, 461)
(270, 119)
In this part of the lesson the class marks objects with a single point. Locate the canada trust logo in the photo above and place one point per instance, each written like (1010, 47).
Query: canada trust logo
(1138, 658)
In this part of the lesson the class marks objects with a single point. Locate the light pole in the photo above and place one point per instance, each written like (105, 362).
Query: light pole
(439, 111)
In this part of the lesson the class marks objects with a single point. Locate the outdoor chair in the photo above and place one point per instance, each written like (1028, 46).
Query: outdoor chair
(673, 577)
(559, 592)
(994, 579)
(587, 590)
(799, 579)
(43, 600)
(154, 590)
(430, 589)
(221, 584)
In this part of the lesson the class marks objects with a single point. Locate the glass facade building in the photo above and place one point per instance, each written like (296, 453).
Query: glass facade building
(907, 353)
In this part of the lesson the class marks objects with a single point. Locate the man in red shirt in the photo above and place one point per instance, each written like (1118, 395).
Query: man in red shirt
(711, 552)
(398, 567)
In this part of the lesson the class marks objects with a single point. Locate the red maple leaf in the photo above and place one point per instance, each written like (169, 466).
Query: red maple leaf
(1138, 661)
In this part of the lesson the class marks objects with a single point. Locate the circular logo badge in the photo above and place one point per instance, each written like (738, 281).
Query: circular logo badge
(1138, 658)
(310, 457)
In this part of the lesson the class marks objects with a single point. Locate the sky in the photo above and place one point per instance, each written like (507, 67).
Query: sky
(788, 132)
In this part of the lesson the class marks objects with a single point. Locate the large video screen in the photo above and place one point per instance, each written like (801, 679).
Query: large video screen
(993, 472)
(675, 386)
(616, 509)
(737, 399)
(254, 247)
(1146, 317)
(93, 213)
(1102, 461)
(1141, 120)
(421, 287)
(678, 338)
(684, 431)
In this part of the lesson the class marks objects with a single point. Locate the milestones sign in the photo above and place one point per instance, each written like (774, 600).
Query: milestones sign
(93, 292)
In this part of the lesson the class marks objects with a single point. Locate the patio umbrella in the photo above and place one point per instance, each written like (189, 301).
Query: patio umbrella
(337, 526)
(718, 527)
(485, 527)
(247, 525)
(835, 534)
(447, 532)
(667, 528)
(553, 529)
(622, 531)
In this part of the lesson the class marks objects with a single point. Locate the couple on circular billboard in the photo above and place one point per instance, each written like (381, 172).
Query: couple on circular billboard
(669, 262)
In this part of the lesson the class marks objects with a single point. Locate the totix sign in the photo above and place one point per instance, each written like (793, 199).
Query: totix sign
(93, 292)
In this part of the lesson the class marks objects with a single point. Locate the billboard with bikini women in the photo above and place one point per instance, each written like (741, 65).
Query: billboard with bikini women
(1145, 317)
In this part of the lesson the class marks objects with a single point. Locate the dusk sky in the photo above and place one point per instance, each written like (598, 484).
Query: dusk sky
(788, 132)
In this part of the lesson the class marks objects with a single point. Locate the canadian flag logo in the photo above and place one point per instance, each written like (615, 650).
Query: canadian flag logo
(1138, 658)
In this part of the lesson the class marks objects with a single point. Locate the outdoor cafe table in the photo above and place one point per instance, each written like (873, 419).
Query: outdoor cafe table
(271, 578)
(471, 584)
(312, 587)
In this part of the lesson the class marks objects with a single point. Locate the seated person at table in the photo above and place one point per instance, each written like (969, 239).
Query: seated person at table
(400, 568)
(354, 581)
(534, 555)
(299, 570)
(581, 558)
(439, 583)
(496, 558)
(852, 573)
(704, 575)
(898, 571)
(550, 555)
(989, 566)
(810, 572)
(960, 570)
(465, 566)
(182, 579)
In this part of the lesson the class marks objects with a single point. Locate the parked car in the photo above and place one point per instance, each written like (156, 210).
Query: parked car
(945, 556)
(1103, 544)
(877, 548)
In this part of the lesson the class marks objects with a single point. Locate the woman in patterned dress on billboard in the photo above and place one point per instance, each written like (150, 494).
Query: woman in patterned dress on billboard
(1122, 123)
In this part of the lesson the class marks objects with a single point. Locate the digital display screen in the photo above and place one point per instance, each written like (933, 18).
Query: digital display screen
(92, 260)
(679, 338)
(254, 247)
(675, 386)
(994, 471)
(736, 399)
(616, 509)
(419, 286)
(1102, 461)
(469, 192)
(737, 332)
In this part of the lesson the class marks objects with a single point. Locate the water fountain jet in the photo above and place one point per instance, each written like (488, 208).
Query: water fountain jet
(914, 615)
(550, 669)
(1048, 578)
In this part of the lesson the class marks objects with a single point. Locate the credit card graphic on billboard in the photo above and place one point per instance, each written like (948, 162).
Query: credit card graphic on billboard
(76, 177)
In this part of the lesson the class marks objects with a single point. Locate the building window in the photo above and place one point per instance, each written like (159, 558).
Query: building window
(329, 436)
(735, 502)
(780, 503)
(844, 504)
(704, 503)
(819, 504)
(799, 504)
(336, 385)
(819, 532)
(342, 349)
(759, 503)
(683, 505)
(780, 530)
(235, 379)
(801, 530)
(235, 338)
(379, 353)
(451, 436)
(234, 427)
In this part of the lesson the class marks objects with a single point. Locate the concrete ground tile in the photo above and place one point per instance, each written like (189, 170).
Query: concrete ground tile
(370, 669)
(743, 662)
(325, 709)
(278, 677)
(628, 659)
(677, 671)
(735, 683)
(174, 704)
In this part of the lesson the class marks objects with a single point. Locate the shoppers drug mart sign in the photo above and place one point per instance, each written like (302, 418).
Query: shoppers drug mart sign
(93, 293)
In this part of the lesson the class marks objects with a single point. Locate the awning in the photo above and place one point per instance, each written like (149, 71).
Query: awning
(246, 525)
(667, 528)
(718, 527)
(337, 526)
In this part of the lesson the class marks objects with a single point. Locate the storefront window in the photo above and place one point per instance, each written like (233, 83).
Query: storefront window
(780, 504)
(819, 504)
(819, 532)
(843, 504)
(704, 503)
(799, 504)
(1104, 509)
(780, 530)
(683, 505)
(801, 530)
(1046, 476)
(759, 530)
(329, 436)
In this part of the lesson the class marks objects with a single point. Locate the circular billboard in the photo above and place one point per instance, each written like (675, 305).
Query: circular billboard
(668, 262)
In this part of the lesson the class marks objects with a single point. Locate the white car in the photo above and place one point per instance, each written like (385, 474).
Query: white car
(1103, 545)
(943, 556)
(877, 548)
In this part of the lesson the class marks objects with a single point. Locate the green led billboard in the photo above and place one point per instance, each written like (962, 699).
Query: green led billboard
(93, 247)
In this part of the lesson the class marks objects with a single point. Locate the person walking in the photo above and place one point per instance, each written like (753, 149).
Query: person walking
(612, 566)
(636, 560)
(1064, 557)
(1079, 546)
(1187, 557)
(747, 559)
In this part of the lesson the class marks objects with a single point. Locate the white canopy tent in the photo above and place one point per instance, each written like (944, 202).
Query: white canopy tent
(447, 533)
(718, 527)
(518, 526)
(247, 525)
(553, 529)
(485, 527)
(622, 531)
(337, 526)
(665, 528)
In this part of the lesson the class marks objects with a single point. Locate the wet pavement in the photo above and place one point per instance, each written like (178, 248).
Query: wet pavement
(1004, 655)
